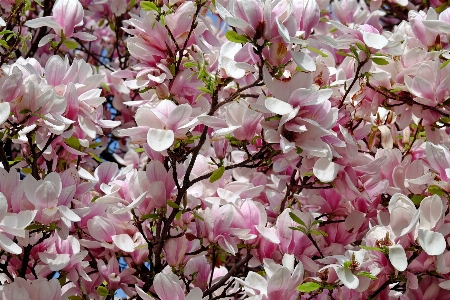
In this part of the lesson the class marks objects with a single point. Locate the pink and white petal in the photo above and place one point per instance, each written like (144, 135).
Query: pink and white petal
(269, 234)
(132, 205)
(325, 170)
(160, 139)
(347, 277)
(55, 261)
(195, 294)
(124, 242)
(166, 288)
(433, 243)
(303, 60)
(46, 195)
(143, 294)
(373, 40)
(47, 38)
(44, 21)
(397, 257)
(69, 214)
(84, 36)
(277, 106)
(445, 284)
(430, 212)
(3, 206)
(5, 110)
(178, 116)
(7, 244)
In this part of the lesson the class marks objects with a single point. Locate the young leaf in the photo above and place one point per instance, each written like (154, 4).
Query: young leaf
(380, 61)
(435, 190)
(102, 291)
(367, 274)
(297, 219)
(172, 204)
(147, 6)
(308, 287)
(71, 44)
(235, 38)
(217, 174)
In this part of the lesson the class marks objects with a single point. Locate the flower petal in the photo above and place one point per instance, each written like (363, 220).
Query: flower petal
(347, 277)
(433, 243)
(397, 256)
(160, 139)
(325, 170)
(277, 106)
(4, 112)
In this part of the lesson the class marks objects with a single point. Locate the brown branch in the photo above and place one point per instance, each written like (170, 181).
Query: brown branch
(224, 279)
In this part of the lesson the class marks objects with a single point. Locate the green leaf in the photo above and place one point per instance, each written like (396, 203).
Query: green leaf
(172, 204)
(105, 86)
(75, 298)
(190, 64)
(315, 222)
(95, 157)
(102, 291)
(380, 61)
(205, 90)
(139, 150)
(234, 37)
(370, 248)
(149, 216)
(302, 229)
(26, 170)
(297, 219)
(197, 216)
(435, 190)
(441, 7)
(95, 145)
(317, 51)
(416, 199)
(132, 3)
(34, 227)
(347, 264)
(445, 63)
(317, 232)
(308, 287)
(73, 142)
(147, 6)
(367, 274)
(24, 111)
(217, 174)
(71, 44)
(62, 279)
(178, 215)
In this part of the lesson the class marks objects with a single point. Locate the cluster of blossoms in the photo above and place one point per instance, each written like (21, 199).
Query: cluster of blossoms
(227, 149)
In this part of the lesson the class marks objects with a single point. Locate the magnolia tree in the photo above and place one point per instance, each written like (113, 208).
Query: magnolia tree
(224, 149)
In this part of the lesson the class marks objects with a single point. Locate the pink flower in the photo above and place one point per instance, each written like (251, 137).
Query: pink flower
(66, 15)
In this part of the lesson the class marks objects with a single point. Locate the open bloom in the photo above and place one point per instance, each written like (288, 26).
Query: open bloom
(66, 15)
